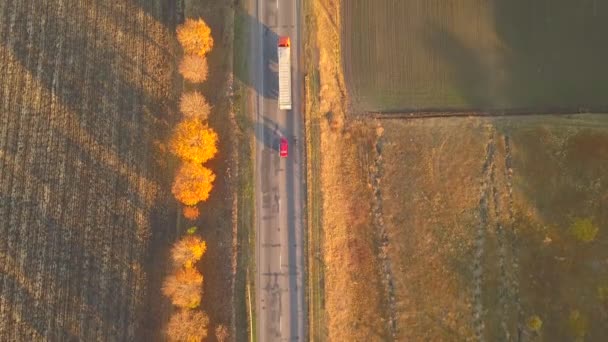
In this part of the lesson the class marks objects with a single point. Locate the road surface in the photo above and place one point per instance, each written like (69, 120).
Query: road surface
(279, 182)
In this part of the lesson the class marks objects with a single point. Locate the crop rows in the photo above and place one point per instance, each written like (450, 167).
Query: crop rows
(488, 56)
(81, 100)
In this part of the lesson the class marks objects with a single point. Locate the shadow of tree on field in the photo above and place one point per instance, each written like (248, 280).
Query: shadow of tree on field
(550, 58)
(97, 75)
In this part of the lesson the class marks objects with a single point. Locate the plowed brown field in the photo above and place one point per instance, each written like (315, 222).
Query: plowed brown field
(86, 90)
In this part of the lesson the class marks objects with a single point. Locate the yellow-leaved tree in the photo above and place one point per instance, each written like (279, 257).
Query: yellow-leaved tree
(184, 288)
(193, 183)
(194, 105)
(194, 141)
(195, 37)
(187, 251)
(188, 325)
(194, 68)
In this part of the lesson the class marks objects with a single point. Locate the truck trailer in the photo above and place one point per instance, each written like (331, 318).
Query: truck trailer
(284, 53)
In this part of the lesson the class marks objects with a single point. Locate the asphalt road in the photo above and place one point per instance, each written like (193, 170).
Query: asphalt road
(279, 182)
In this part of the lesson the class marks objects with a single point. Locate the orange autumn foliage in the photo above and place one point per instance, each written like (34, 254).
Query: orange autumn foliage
(194, 141)
(194, 105)
(191, 213)
(188, 251)
(184, 288)
(193, 183)
(194, 68)
(187, 326)
(195, 37)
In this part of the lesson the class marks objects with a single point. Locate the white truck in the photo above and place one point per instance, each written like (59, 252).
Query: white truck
(284, 52)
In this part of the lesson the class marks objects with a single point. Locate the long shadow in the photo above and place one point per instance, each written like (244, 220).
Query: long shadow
(557, 51)
(552, 58)
(266, 82)
(29, 314)
(168, 12)
(72, 272)
(86, 70)
(270, 133)
(543, 56)
(94, 75)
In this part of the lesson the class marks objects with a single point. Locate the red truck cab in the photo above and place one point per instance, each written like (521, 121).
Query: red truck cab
(284, 42)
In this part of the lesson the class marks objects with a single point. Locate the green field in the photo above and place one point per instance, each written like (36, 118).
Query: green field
(514, 55)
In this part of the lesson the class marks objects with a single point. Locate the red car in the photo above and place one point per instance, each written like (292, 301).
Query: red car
(283, 147)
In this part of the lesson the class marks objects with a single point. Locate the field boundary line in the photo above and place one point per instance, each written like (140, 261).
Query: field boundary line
(375, 173)
(512, 229)
(428, 115)
(479, 246)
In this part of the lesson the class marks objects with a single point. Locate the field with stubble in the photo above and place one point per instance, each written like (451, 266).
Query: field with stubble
(85, 221)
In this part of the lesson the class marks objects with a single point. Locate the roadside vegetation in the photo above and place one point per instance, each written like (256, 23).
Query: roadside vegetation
(216, 223)
(346, 291)
(244, 218)
(194, 143)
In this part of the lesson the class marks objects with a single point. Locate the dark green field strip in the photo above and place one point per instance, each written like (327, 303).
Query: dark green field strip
(498, 55)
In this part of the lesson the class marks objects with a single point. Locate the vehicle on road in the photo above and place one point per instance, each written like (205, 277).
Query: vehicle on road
(284, 53)
(283, 147)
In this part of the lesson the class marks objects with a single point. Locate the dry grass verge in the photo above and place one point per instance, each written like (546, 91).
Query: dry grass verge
(352, 295)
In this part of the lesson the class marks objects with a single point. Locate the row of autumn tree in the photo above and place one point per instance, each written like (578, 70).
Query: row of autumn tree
(194, 143)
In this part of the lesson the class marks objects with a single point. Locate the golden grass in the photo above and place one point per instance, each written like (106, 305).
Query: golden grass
(434, 180)
(430, 193)
(353, 292)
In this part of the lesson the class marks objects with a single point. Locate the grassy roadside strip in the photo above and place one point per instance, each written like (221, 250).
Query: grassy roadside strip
(245, 236)
(317, 330)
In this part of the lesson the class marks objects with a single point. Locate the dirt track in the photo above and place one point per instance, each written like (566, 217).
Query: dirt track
(84, 95)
